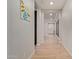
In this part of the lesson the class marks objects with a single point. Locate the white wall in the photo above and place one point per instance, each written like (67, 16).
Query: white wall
(45, 29)
(65, 26)
(40, 26)
(20, 32)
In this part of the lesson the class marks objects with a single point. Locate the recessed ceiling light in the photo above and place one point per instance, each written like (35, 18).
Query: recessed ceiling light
(51, 3)
(50, 14)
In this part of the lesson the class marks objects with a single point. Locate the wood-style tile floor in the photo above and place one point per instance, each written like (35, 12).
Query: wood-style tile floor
(51, 49)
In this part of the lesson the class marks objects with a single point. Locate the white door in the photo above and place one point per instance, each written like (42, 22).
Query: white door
(51, 29)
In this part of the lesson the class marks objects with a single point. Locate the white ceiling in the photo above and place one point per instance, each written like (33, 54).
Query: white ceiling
(53, 18)
(45, 4)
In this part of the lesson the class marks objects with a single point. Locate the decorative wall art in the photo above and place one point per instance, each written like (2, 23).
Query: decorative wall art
(24, 11)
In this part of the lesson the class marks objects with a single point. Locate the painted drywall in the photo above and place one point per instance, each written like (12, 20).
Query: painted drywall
(45, 29)
(40, 26)
(20, 41)
(65, 26)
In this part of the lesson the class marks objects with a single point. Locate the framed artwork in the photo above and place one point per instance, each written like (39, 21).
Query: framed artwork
(24, 11)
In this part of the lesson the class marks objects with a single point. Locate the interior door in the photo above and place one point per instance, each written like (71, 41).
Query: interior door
(51, 28)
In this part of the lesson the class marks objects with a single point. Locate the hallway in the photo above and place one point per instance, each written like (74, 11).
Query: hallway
(51, 49)
(32, 26)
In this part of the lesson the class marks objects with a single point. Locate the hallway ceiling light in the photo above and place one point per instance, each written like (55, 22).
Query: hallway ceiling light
(50, 14)
(51, 3)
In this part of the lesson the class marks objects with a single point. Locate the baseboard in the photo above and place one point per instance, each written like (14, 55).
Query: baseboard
(64, 46)
(58, 38)
(68, 51)
(30, 57)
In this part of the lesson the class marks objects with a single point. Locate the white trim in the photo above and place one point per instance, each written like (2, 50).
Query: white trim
(30, 57)
(68, 51)
(61, 41)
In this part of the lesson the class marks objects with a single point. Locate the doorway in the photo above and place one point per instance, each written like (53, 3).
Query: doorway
(35, 25)
(51, 30)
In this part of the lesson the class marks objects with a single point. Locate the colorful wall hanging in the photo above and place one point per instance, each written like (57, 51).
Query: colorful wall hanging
(25, 13)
